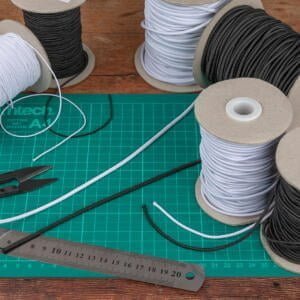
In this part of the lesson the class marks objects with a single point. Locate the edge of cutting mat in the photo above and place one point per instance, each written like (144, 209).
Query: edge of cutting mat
(294, 97)
(83, 75)
(7, 26)
(225, 219)
(47, 6)
(280, 261)
(163, 86)
(199, 76)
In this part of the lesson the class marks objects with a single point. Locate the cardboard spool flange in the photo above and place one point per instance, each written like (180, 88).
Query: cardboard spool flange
(294, 97)
(280, 261)
(228, 220)
(210, 111)
(44, 81)
(83, 75)
(288, 164)
(164, 86)
(56, 6)
(199, 76)
(47, 6)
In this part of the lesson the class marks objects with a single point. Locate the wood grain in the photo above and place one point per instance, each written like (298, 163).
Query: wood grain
(124, 289)
(112, 30)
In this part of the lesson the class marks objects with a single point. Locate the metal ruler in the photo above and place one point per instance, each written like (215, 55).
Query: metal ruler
(108, 261)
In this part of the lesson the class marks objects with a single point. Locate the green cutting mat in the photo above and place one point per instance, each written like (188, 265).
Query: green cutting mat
(120, 224)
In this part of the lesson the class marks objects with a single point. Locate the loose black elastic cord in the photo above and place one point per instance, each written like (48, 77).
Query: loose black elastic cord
(99, 203)
(60, 35)
(202, 249)
(93, 131)
(246, 42)
(282, 229)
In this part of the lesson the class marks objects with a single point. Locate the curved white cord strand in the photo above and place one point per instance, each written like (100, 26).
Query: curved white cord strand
(103, 174)
(172, 32)
(204, 235)
(201, 234)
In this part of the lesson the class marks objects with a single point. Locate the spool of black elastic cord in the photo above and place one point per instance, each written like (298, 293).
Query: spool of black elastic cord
(57, 24)
(247, 42)
(280, 234)
(282, 229)
(60, 34)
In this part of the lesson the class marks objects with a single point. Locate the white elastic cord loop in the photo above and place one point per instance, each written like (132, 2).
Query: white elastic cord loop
(204, 235)
(172, 32)
(21, 46)
(103, 174)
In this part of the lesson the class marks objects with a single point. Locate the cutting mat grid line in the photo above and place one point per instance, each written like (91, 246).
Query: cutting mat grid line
(120, 224)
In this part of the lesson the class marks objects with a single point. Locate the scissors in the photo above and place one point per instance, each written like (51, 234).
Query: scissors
(25, 180)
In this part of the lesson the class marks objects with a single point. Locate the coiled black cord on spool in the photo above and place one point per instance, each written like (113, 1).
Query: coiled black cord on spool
(60, 35)
(247, 42)
(282, 229)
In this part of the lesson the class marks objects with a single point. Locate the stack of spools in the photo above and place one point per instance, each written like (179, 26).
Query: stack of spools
(237, 40)
(57, 25)
(172, 31)
(242, 122)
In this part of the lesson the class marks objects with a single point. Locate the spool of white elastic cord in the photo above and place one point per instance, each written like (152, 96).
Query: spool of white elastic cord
(19, 70)
(172, 32)
(241, 122)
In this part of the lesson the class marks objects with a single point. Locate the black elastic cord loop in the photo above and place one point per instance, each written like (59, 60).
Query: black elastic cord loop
(97, 204)
(247, 42)
(85, 134)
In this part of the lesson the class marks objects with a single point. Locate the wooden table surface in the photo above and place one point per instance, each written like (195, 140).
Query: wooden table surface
(112, 30)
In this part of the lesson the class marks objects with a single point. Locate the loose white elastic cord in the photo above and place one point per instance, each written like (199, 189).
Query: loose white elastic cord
(20, 68)
(204, 235)
(103, 174)
(236, 179)
(172, 33)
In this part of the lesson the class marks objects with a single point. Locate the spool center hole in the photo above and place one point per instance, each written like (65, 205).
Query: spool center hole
(243, 109)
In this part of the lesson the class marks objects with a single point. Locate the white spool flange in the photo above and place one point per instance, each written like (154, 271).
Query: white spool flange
(44, 81)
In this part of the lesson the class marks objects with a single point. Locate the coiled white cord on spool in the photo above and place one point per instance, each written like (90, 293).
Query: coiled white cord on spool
(237, 179)
(172, 32)
(20, 69)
